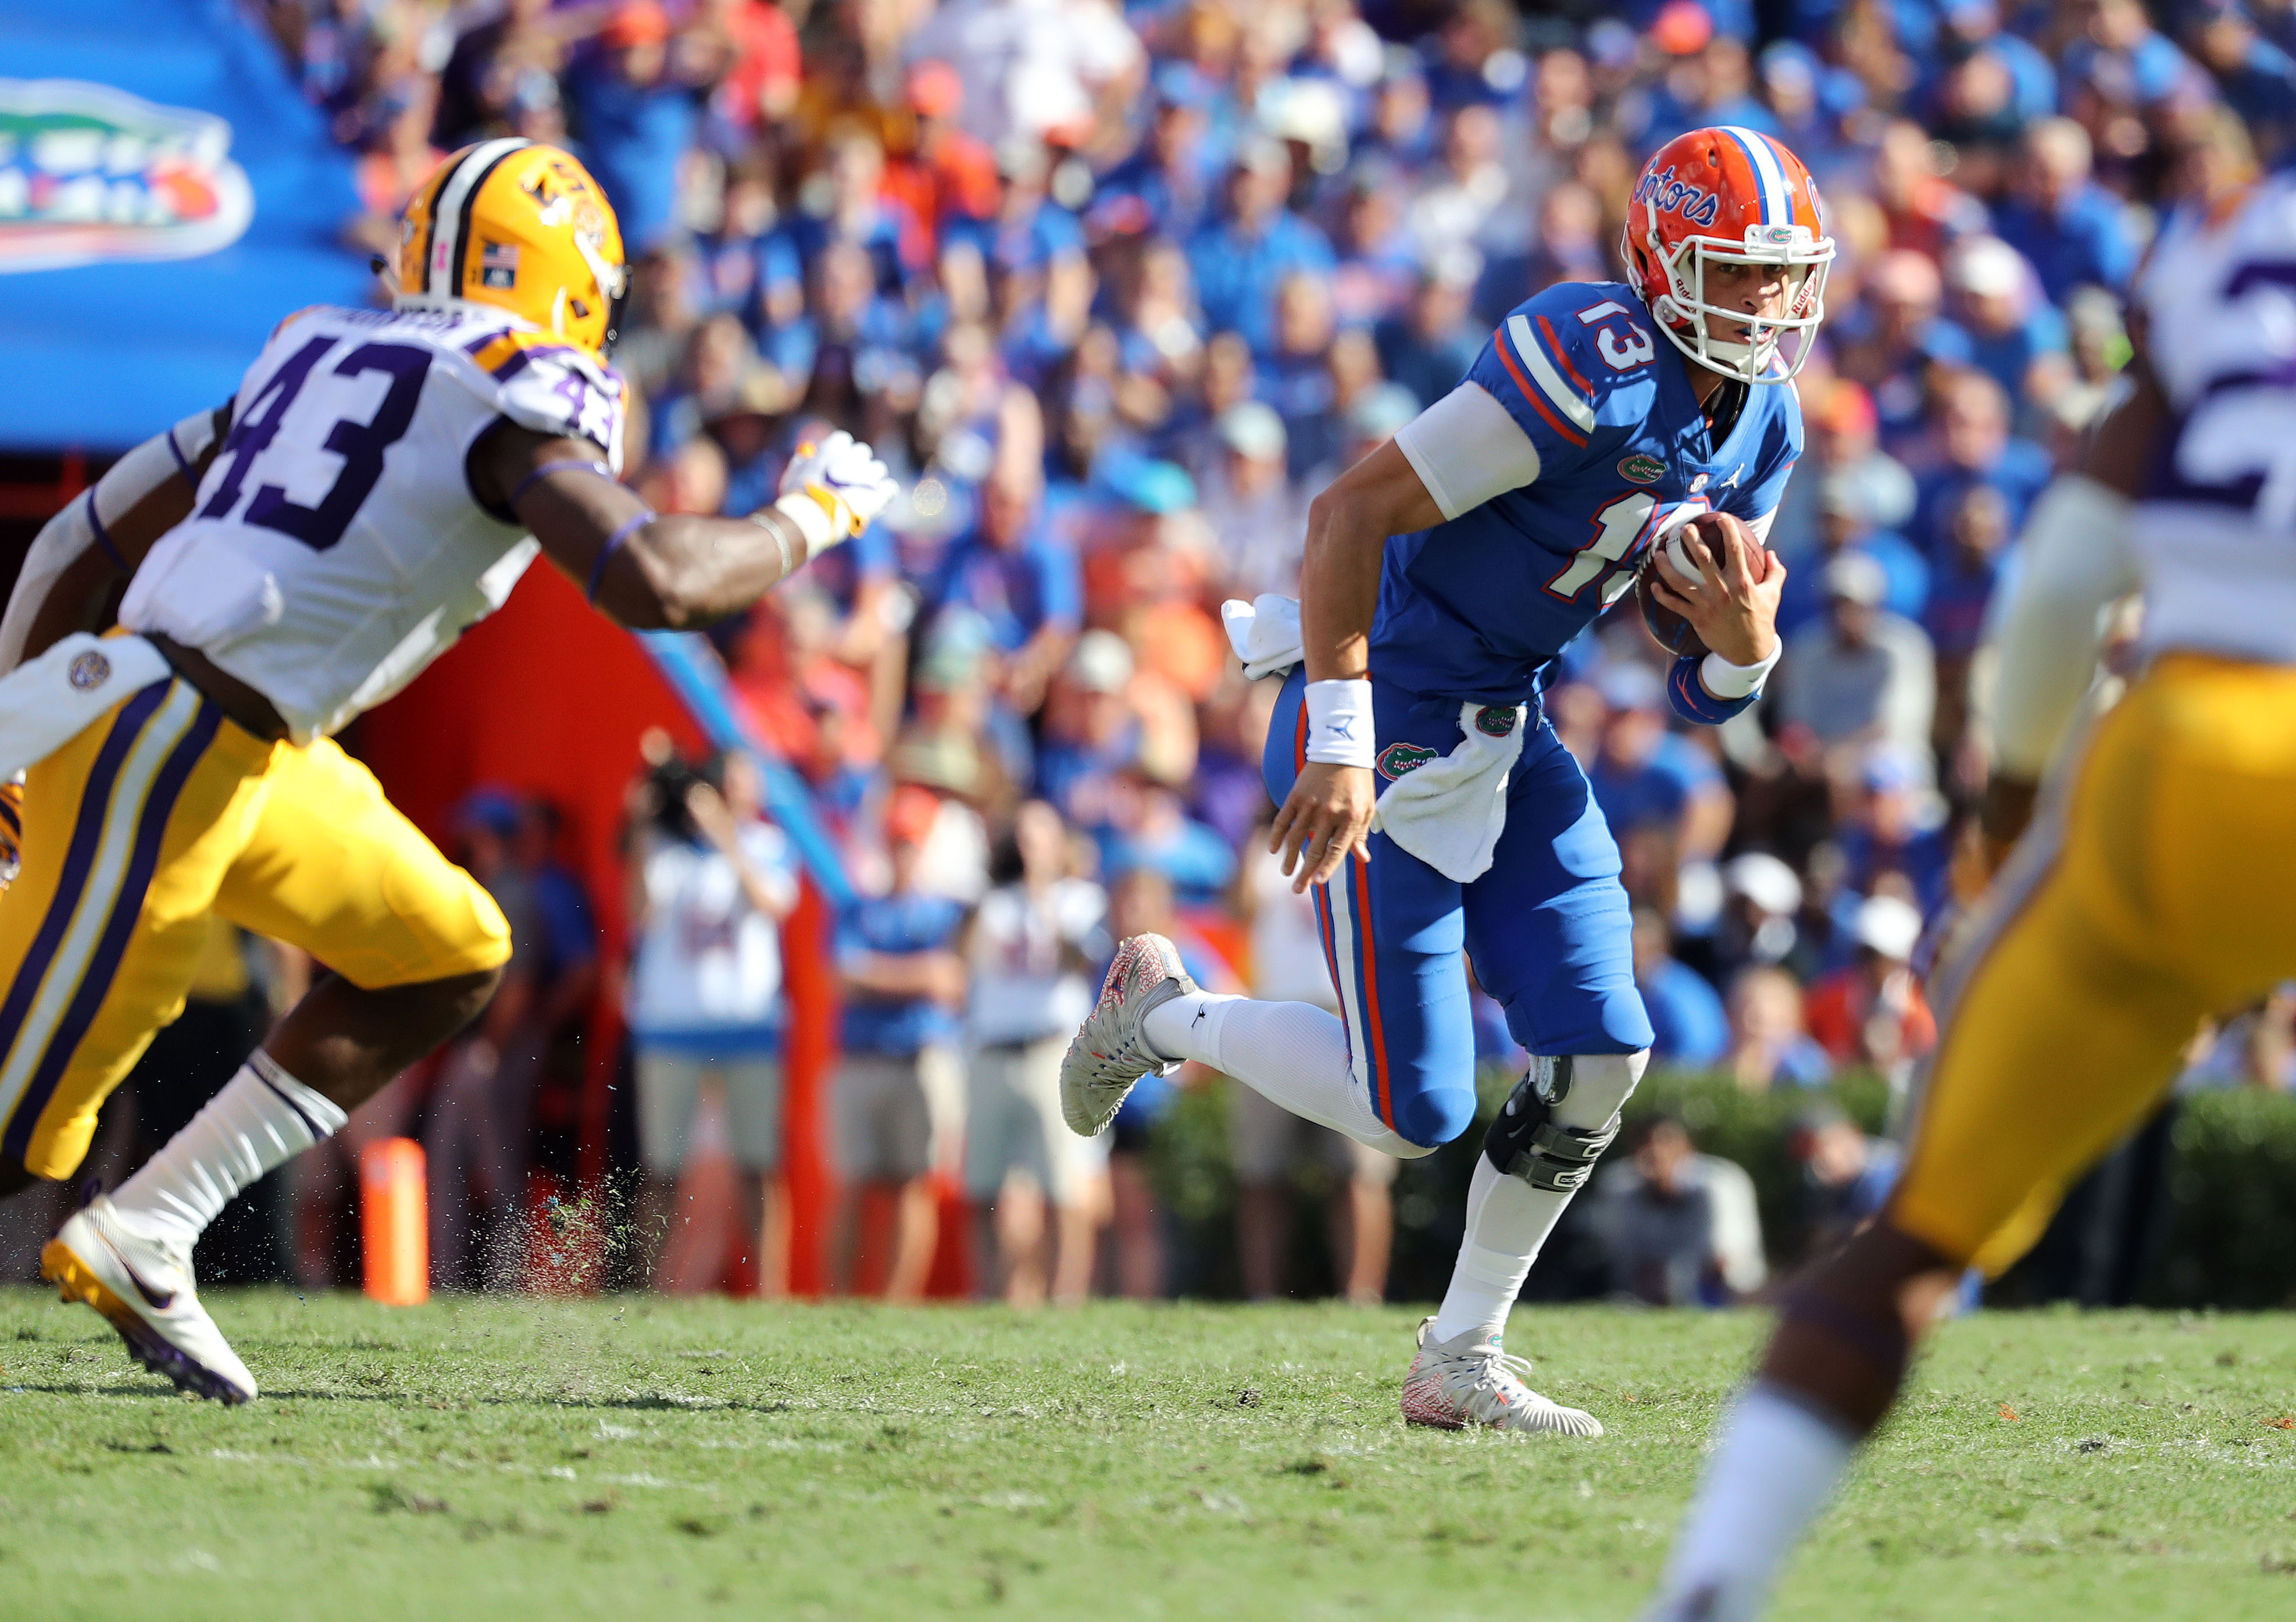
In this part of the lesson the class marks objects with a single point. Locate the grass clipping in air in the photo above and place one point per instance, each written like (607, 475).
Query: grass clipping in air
(632, 1456)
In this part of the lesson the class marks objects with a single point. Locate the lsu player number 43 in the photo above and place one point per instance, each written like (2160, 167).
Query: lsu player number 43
(2133, 906)
(380, 480)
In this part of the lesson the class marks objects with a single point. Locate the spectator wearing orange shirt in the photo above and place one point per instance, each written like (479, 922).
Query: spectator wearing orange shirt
(941, 173)
(1872, 1010)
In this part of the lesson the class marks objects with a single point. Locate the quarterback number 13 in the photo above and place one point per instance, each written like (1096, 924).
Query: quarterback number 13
(359, 444)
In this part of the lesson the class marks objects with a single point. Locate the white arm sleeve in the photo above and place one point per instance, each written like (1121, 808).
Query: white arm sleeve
(70, 532)
(2077, 559)
(1466, 450)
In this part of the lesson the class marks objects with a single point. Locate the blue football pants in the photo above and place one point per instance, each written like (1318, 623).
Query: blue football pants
(1547, 926)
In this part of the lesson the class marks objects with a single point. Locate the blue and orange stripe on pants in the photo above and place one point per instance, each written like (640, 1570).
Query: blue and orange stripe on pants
(1357, 986)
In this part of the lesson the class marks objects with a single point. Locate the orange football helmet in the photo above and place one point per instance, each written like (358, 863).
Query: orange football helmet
(1732, 196)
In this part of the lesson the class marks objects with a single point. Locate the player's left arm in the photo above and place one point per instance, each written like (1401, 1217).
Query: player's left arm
(85, 553)
(672, 572)
(1735, 608)
(1735, 612)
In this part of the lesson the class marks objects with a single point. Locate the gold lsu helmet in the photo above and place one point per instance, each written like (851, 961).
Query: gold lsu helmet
(520, 226)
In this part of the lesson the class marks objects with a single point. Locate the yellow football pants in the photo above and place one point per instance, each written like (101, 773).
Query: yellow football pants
(152, 815)
(2155, 891)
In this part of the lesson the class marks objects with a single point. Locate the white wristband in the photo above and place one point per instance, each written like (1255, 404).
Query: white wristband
(1726, 680)
(812, 520)
(1339, 723)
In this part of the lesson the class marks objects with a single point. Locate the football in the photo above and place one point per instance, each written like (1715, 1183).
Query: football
(1710, 533)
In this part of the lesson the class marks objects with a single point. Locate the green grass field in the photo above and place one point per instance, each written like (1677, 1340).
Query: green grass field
(630, 1456)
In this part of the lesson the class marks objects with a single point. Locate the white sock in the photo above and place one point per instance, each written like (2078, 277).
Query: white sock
(262, 1117)
(1293, 1054)
(1508, 1220)
(1774, 1468)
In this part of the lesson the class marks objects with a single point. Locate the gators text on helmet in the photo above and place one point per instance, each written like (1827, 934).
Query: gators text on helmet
(1730, 196)
(517, 225)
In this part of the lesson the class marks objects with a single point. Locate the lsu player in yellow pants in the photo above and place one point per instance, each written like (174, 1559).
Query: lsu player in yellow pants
(381, 479)
(2132, 908)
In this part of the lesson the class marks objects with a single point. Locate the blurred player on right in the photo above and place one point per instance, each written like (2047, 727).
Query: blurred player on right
(2154, 887)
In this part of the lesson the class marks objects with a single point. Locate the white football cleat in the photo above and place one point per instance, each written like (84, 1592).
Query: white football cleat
(1467, 1380)
(1109, 1055)
(145, 1290)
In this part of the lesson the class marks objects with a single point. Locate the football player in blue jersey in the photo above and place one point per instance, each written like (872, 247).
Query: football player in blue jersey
(1424, 797)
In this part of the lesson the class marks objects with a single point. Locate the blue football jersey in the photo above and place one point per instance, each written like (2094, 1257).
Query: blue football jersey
(1475, 607)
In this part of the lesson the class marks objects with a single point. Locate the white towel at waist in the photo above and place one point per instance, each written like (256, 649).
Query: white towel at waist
(1451, 811)
(1265, 633)
(1448, 812)
(46, 701)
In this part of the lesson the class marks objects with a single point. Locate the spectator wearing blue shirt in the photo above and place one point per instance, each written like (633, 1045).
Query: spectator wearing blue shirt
(1845, 524)
(1091, 730)
(1171, 172)
(1240, 258)
(2071, 230)
(898, 1098)
(1997, 302)
(2257, 78)
(1969, 571)
(1770, 1045)
(1895, 826)
(1645, 776)
(1014, 569)
(1376, 262)
(1894, 337)
(1295, 377)
(1693, 1030)
(1976, 447)
(636, 113)
(1973, 28)
(2124, 59)
(1428, 347)
(1151, 828)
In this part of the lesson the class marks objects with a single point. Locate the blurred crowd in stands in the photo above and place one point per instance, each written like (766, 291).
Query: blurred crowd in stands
(1114, 288)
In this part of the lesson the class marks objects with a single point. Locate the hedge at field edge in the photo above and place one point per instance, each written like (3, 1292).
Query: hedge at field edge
(2230, 1240)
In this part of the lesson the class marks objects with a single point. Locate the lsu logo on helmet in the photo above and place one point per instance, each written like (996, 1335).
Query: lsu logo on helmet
(520, 226)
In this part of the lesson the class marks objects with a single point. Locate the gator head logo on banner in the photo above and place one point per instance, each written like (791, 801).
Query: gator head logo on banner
(88, 173)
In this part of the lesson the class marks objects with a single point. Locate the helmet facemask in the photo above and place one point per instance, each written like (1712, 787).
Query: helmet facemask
(1683, 312)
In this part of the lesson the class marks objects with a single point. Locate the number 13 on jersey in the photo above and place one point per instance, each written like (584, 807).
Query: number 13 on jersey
(1622, 526)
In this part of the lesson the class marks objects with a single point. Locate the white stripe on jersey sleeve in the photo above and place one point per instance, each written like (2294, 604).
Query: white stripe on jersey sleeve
(1467, 449)
(1563, 398)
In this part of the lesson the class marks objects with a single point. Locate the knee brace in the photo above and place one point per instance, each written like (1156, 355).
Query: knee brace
(1536, 1137)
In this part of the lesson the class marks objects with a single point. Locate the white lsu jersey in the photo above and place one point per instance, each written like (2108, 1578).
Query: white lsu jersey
(2215, 529)
(335, 547)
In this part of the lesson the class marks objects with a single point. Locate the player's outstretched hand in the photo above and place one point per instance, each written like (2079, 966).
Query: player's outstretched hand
(1326, 816)
(1734, 609)
(844, 475)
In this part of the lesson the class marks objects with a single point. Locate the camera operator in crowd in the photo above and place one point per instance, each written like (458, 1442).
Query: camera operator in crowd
(710, 880)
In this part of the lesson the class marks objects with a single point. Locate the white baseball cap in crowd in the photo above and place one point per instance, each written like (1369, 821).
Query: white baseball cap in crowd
(1889, 927)
(1766, 881)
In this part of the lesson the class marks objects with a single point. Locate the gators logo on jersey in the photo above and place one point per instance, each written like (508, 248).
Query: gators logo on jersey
(1397, 759)
(1642, 469)
(1494, 721)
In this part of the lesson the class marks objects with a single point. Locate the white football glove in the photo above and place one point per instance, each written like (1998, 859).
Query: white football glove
(832, 491)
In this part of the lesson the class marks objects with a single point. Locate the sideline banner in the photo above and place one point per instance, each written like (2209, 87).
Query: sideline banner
(166, 196)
